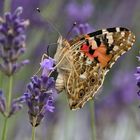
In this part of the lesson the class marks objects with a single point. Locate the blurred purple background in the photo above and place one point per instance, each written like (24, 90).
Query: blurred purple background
(116, 104)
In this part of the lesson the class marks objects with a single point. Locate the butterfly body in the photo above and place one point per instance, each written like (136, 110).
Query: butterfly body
(83, 62)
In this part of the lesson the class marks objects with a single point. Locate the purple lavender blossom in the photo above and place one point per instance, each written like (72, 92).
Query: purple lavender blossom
(47, 66)
(80, 29)
(16, 105)
(12, 41)
(39, 94)
(83, 29)
(80, 13)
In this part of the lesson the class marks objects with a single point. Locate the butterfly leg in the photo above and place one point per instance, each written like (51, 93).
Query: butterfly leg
(43, 56)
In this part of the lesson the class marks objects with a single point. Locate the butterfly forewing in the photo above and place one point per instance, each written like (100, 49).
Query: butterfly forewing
(104, 46)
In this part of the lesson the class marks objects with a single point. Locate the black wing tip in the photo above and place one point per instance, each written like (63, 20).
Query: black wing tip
(113, 29)
(124, 29)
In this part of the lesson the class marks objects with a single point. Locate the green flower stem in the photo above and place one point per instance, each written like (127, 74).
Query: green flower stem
(93, 125)
(1, 80)
(33, 133)
(4, 129)
(10, 92)
(8, 107)
(7, 4)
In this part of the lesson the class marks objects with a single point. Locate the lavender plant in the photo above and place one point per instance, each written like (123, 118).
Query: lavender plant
(12, 41)
(39, 94)
(39, 98)
(12, 46)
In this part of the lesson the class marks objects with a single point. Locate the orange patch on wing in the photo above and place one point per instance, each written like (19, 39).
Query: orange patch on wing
(103, 58)
(87, 36)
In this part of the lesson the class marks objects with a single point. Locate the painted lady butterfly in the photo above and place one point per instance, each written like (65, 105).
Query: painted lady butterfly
(83, 62)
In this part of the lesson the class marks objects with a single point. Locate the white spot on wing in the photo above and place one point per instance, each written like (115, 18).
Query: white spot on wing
(115, 48)
(123, 34)
(94, 45)
(88, 61)
(118, 29)
(104, 31)
(83, 76)
(110, 39)
(82, 55)
(121, 44)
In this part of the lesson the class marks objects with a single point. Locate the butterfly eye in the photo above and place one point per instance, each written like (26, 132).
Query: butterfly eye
(81, 93)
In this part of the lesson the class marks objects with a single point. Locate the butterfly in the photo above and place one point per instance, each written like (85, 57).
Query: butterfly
(83, 62)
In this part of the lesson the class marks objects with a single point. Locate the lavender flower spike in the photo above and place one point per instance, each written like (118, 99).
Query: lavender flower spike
(12, 41)
(16, 105)
(39, 94)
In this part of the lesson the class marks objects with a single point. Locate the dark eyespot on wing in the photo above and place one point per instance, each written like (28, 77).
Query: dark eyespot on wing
(81, 93)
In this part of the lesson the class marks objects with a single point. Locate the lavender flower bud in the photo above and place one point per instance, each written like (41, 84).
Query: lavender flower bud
(47, 66)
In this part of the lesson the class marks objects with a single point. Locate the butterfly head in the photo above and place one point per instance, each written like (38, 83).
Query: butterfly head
(62, 42)
(62, 47)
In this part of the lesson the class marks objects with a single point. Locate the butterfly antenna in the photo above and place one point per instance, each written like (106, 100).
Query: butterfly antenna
(69, 32)
(50, 23)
